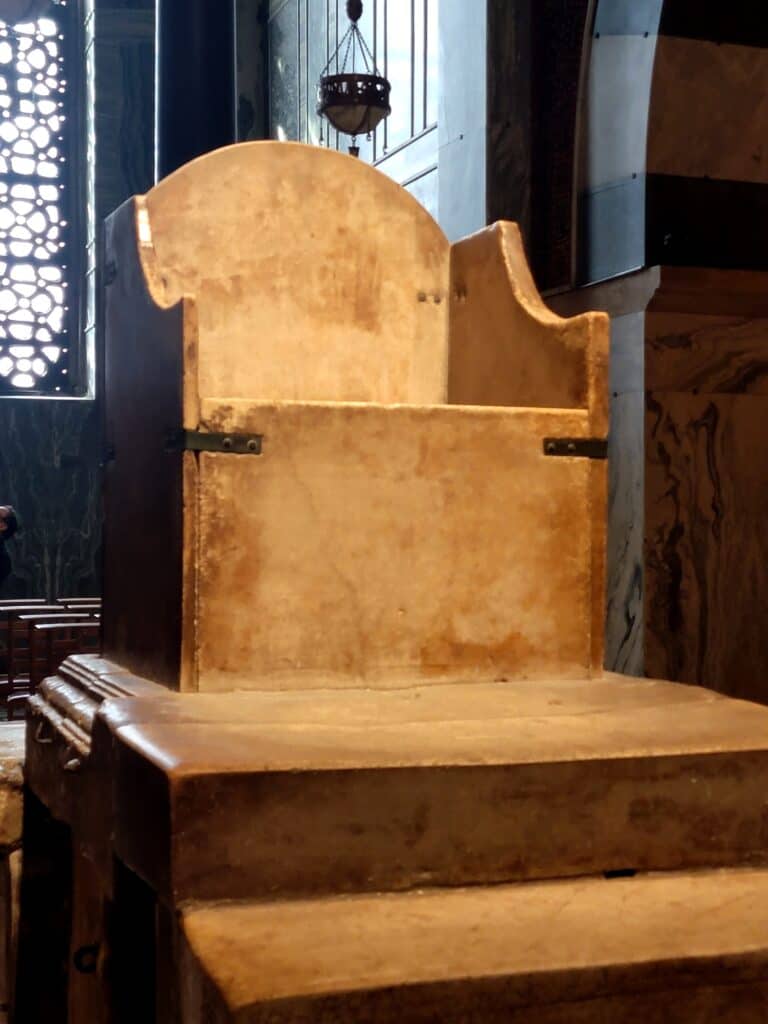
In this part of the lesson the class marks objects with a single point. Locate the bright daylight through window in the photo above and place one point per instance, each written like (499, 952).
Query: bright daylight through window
(34, 197)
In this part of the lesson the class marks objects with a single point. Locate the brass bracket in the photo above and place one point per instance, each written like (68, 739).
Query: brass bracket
(200, 441)
(577, 447)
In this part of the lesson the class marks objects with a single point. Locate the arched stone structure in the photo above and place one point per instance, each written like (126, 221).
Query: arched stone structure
(671, 209)
(706, 347)
(611, 163)
(707, 157)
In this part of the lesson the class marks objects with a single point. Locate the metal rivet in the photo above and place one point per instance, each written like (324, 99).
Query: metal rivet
(252, 446)
(226, 443)
(571, 446)
(86, 959)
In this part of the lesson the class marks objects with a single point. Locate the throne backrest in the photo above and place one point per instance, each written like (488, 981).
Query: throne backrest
(391, 527)
(314, 279)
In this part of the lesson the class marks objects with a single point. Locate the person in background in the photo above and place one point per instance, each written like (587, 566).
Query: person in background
(8, 527)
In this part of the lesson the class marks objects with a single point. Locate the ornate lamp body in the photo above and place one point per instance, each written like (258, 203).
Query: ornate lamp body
(353, 102)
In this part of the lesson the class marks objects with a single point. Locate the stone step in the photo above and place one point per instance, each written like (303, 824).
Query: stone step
(262, 794)
(689, 948)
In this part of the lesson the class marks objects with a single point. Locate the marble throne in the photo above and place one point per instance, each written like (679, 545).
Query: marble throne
(353, 630)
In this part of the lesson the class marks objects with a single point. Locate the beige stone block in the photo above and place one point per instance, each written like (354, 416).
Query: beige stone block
(381, 545)
(259, 794)
(314, 278)
(507, 347)
(11, 761)
(680, 948)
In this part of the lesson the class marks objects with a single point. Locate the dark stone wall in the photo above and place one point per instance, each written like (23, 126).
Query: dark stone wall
(50, 450)
(49, 458)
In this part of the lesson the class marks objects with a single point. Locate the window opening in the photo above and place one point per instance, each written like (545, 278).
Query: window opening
(39, 325)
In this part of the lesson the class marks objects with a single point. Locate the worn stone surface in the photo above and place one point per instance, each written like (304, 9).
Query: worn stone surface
(277, 264)
(707, 354)
(580, 951)
(385, 545)
(348, 790)
(49, 470)
(11, 761)
(284, 794)
(507, 347)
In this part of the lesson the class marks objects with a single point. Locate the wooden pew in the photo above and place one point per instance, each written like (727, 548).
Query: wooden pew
(9, 611)
(30, 656)
(11, 607)
(10, 603)
(17, 650)
(50, 644)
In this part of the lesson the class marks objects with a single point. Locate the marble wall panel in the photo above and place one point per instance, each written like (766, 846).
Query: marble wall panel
(707, 354)
(707, 482)
(49, 471)
(624, 584)
(708, 110)
(625, 527)
(706, 540)
(625, 299)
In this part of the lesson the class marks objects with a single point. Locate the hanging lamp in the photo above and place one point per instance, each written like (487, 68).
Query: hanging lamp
(354, 102)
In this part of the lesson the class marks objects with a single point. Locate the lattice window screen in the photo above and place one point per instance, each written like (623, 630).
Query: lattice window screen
(39, 326)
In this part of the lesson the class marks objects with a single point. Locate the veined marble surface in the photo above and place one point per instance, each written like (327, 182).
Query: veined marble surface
(706, 496)
(49, 458)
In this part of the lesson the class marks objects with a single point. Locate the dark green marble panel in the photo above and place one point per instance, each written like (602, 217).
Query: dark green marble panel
(49, 471)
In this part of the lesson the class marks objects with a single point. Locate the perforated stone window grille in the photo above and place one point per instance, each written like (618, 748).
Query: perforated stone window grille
(39, 201)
